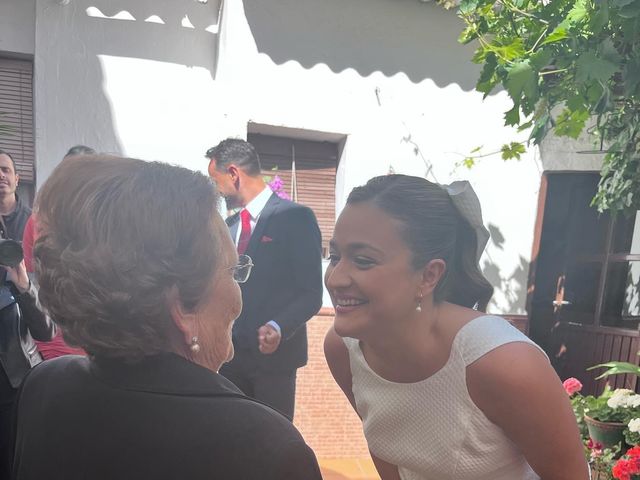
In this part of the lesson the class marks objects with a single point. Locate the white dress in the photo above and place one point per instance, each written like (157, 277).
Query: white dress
(431, 429)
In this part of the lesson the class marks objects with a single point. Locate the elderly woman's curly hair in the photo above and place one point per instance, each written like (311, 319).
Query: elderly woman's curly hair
(116, 235)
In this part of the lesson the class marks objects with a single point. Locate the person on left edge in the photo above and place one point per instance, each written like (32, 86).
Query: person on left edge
(20, 319)
(57, 346)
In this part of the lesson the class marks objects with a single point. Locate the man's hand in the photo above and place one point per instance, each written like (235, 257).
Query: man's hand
(18, 276)
(268, 339)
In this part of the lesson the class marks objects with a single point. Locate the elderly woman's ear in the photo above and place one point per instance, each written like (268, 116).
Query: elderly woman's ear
(185, 321)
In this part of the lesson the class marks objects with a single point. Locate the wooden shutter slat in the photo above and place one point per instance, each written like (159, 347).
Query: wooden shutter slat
(316, 166)
(16, 106)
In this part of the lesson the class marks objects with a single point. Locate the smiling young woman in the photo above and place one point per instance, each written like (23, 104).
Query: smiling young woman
(443, 390)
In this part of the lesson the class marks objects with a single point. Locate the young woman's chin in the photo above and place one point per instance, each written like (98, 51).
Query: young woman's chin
(346, 326)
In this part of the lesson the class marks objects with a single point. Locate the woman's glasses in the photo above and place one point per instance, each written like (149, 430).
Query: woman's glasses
(242, 270)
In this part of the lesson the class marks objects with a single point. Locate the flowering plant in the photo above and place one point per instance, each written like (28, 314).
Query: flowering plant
(628, 466)
(619, 405)
(277, 186)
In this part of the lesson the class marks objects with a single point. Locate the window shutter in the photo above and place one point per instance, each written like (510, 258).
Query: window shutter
(315, 173)
(16, 112)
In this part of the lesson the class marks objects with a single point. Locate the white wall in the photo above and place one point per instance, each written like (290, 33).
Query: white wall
(385, 115)
(134, 78)
(387, 74)
(17, 26)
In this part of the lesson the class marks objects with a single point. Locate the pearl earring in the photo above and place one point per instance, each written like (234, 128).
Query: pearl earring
(195, 346)
(419, 306)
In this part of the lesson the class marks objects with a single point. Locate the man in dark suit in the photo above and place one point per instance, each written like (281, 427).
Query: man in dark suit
(285, 288)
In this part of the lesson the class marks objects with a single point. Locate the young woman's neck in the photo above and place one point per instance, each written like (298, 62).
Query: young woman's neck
(401, 352)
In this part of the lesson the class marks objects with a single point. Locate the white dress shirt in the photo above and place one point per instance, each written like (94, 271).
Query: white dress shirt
(255, 207)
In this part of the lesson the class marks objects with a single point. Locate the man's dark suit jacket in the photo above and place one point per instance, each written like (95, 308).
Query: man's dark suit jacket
(162, 418)
(285, 284)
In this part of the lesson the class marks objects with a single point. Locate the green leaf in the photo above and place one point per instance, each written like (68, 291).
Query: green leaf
(488, 79)
(609, 52)
(477, 149)
(631, 75)
(604, 102)
(512, 117)
(560, 33)
(616, 368)
(468, 34)
(524, 126)
(539, 129)
(469, 162)
(620, 3)
(576, 102)
(594, 92)
(600, 17)
(521, 79)
(541, 59)
(508, 51)
(630, 11)
(488, 69)
(571, 123)
(590, 66)
(467, 6)
(512, 151)
(577, 13)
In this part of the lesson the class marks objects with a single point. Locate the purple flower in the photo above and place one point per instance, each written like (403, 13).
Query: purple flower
(277, 186)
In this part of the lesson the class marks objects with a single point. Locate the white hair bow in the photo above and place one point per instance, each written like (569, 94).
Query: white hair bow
(466, 202)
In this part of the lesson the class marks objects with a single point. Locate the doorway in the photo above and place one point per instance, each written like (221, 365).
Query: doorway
(584, 285)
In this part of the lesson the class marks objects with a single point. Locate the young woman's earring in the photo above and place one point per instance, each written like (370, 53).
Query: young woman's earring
(195, 346)
(419, 306)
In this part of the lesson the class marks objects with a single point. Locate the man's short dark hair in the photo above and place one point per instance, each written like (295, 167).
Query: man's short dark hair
(236, 151)
(13, 162)
(80, 150)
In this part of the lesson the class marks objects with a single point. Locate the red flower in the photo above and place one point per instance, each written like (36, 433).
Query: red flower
(621, 470)
(628, 465)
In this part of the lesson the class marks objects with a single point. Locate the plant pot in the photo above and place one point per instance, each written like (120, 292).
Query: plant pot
(607, 434)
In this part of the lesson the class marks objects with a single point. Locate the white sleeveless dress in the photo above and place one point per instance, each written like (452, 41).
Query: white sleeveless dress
(431, 429)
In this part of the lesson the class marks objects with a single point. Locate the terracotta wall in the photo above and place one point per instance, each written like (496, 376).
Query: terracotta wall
(323, 414)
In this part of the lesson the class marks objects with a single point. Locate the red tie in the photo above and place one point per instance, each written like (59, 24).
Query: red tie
(245, 233)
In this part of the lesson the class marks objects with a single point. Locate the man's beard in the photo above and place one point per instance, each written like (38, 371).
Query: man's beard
(232, 202)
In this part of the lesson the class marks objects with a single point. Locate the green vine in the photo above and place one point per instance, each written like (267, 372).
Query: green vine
(563, 63)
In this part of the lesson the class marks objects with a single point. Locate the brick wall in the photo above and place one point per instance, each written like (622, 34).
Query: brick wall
(323, 414)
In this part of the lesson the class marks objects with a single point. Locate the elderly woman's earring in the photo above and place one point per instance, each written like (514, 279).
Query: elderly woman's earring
(419, 306)
(195, 346)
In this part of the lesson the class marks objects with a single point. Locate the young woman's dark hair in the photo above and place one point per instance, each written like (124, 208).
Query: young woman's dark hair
(433, 228)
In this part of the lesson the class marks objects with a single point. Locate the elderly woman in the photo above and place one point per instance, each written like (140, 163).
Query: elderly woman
(139, 270)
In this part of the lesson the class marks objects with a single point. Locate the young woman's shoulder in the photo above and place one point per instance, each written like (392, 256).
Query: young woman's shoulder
(337, 356)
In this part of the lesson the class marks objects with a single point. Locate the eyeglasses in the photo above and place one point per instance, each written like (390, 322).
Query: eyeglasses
(242, 269)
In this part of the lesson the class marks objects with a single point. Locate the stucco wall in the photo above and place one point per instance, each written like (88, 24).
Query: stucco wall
(167, 79)
(134, 78)
(17, 26)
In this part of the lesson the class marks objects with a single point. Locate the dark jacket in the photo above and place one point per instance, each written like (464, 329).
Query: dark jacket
(20, 322)
(162, 418)
(20, 318)
(17, 220)
(285, 284)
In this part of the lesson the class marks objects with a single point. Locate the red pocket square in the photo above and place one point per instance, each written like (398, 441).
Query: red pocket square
(266, 239)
